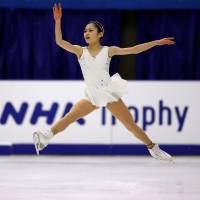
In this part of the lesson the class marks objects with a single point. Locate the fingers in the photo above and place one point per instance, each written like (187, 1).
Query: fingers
(54, 7)
(169, 40)
(172, 40)
(57, 7)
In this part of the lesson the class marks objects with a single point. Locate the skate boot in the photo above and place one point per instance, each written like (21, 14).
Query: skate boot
(159, 154)
(41, 139)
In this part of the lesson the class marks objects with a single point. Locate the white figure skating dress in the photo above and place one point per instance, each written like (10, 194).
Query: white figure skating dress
(101, 88)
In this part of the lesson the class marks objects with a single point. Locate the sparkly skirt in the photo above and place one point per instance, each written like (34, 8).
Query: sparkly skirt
(100, 97)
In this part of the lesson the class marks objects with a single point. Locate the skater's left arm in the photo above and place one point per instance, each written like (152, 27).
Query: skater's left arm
(113, 50)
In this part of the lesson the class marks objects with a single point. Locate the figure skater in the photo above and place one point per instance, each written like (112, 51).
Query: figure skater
(101, 89)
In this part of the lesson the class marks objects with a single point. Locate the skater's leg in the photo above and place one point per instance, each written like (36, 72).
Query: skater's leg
(121, 112)
(80, 109)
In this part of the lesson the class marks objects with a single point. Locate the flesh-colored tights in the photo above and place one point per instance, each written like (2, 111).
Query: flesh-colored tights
(118, 109)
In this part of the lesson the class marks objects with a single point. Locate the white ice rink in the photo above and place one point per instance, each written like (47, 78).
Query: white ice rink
(98, 178)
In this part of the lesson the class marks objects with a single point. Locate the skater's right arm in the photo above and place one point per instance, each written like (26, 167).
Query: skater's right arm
(76, 49)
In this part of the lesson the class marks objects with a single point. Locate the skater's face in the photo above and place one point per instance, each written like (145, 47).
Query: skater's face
(92, 34)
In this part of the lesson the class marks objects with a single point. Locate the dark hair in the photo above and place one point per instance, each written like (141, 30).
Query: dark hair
(98, 25)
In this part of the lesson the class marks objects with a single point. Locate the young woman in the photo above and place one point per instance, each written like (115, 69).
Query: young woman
(101, 89)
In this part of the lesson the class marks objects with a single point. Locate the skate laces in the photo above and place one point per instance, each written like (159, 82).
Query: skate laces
(151, 145)
(47, 133)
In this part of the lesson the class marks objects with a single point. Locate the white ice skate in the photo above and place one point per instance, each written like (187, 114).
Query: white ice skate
(41, 139)
(159, 154)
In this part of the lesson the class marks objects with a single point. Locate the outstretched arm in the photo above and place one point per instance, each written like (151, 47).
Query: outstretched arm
(140, 48)
(76, 49)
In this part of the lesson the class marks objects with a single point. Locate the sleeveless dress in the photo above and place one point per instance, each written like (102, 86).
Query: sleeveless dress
(101, 88)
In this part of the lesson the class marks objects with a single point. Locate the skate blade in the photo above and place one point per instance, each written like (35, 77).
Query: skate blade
(165, 158)
(36, 140)
(168, 159)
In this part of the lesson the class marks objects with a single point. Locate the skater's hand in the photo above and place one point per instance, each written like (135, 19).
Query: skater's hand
(164, 41)
(57, 12)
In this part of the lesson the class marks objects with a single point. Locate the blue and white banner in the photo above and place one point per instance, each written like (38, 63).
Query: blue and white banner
(167, 111)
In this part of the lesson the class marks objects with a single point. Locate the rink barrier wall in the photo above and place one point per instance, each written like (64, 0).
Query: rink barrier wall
(169, 116)
(101, 150)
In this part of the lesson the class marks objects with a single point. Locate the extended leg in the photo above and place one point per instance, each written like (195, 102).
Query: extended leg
(121, 112)
(80, 109)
